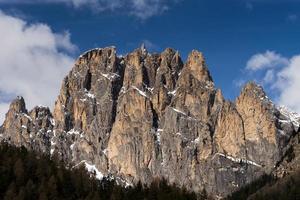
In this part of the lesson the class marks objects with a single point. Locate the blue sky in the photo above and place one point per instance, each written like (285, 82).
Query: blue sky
(228, 32)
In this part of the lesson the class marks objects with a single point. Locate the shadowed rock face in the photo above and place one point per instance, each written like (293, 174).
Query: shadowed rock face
(142, 116)
(32, 129)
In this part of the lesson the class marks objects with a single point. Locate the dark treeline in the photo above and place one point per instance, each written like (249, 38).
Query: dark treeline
(268, 187)
(27, 175)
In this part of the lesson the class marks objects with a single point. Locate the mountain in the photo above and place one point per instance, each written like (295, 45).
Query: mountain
(144, 116)
(29, 175)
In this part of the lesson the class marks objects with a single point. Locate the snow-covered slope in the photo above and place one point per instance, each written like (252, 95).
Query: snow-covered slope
(291, 117)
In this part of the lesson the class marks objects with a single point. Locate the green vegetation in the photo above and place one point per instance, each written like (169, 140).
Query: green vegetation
(268, 187)
(287, 188)
(28, 175)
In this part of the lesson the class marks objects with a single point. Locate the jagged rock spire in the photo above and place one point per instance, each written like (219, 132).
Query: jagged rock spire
(18, 105)
(254, 90)
(143, 115)
(196, 63)
(143, 49)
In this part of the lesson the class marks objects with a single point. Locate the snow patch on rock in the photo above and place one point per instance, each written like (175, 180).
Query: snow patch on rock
(27, 116)
(140, 91)
(238, 160)
(178, 111)
(291, 117)
(173, 93)
(91, 169)
(110, 76)
(73, 132)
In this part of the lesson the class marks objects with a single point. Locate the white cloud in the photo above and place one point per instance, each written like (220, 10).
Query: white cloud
(268, 59)
(288, 83)
(3, 109)
(97, 5)
(147, 8)
(33, 61)
(142, 9)
(269, 77)
(105, 4)
(280, 75)
(150, 45)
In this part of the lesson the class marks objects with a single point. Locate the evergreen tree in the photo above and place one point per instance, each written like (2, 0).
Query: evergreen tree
(19, 172)
(11, 192)
(29, 175)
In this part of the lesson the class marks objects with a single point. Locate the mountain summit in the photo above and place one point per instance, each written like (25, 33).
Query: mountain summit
(144, 116)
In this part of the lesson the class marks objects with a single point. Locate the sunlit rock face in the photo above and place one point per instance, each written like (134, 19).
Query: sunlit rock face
(143, 116)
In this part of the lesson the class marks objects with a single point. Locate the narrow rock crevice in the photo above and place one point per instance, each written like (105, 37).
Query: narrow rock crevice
(116, 89)
(88, 81)
(155, 122)
(148, 139)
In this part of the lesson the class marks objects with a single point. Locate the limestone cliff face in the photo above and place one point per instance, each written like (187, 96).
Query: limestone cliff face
(31, 129)
(260, 129)
(142, 116)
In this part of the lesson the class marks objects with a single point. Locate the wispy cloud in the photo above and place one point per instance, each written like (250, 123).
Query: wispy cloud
(147, 8)
(33, 61)
(269, 76)
(288, 83)
(292, 17)
(150, 45)
(249, 6)
(279, 74)
(142, 9)
(269, 59)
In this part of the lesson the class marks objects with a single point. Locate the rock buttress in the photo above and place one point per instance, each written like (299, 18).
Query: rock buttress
(143, 116)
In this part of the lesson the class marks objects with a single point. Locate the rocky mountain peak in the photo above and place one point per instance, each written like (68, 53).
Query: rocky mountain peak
(143, 48)
(94, 55)
(17, 108)
(31, 129)
(196, 64)
(252, 89)
(18, 105)
(147, 115)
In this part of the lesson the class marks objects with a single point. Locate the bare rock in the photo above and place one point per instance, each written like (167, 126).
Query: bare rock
(142, 116)
(32, 130)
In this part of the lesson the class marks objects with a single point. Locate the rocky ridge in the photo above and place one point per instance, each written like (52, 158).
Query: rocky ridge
(144, 116)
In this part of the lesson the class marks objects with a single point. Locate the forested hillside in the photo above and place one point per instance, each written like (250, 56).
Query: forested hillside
(27, 176)
(268, 187)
